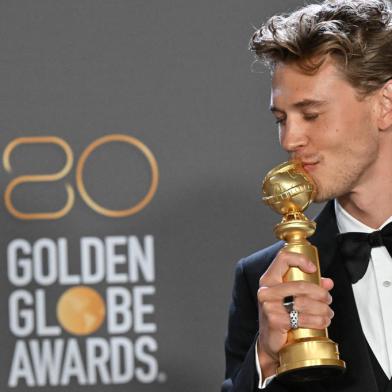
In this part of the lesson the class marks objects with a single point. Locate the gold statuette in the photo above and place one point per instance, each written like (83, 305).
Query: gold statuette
(308, 354)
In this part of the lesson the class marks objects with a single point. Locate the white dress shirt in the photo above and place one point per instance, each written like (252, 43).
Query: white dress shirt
(373, 296)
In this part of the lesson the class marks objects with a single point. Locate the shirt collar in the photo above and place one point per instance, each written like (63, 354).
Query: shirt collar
(347, 223)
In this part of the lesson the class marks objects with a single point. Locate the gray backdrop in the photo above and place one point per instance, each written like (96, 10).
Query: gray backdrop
(177, 76)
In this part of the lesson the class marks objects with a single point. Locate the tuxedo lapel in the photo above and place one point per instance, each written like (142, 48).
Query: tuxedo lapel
(345, 328)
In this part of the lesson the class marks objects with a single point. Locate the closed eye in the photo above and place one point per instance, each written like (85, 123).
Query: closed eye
(311, 117)
(280, 120)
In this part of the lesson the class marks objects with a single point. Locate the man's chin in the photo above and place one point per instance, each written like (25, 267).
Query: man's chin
(322, 199)
(322, 194)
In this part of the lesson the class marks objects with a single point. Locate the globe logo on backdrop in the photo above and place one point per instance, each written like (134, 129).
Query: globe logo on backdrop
(81, 310)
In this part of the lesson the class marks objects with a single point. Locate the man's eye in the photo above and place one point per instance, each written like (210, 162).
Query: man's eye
(310, 117)
(279, 120)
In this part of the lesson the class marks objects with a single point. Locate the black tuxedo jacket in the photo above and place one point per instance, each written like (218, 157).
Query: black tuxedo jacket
(345, 329)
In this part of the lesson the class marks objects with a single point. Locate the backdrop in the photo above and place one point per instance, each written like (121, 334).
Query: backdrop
(134, 137)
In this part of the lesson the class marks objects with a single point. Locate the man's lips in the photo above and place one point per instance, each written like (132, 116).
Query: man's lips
(309, 166)
(309, 162)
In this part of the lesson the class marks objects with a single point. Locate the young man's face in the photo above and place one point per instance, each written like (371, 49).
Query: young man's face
(324, 124)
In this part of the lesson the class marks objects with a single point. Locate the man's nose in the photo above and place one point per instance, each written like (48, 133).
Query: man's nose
(293, 137)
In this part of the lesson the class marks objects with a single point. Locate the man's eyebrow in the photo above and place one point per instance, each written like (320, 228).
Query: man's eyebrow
(309, 103)
(306, 103)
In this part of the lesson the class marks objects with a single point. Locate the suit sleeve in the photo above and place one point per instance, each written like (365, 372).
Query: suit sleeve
(241, 374)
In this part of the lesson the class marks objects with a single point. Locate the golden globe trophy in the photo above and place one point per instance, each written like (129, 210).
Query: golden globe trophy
(308, 354)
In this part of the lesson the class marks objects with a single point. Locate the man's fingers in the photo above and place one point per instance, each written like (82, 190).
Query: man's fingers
(327, 283)
(312, 321)
(299, 288)
(312, 314)
(309, 306)
(283, 261)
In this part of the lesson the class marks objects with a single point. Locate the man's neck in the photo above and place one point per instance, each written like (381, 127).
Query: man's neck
(372, 205)
(370, 200)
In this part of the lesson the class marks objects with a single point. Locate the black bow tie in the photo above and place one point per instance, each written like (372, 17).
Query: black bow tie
(356, 247)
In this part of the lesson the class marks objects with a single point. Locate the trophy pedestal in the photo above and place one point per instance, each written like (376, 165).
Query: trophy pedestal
(309, 359)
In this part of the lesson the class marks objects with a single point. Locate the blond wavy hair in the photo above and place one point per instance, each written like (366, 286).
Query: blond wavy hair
(356, 33)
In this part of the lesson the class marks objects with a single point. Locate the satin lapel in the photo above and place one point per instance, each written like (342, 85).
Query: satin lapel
(345, 328)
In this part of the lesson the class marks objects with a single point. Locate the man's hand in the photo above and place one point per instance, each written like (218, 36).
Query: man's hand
(311, 301)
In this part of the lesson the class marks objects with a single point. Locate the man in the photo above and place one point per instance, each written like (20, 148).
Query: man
(332, 98)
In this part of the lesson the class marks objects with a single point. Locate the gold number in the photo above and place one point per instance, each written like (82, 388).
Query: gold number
(38, 178)
(154, 176)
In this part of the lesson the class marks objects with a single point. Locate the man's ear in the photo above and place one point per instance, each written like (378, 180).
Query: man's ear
(385, 101)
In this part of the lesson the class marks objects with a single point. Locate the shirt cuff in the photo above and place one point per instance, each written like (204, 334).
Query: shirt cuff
(262, 384)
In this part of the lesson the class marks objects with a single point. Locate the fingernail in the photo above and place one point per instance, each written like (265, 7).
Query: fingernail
(329, 298)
